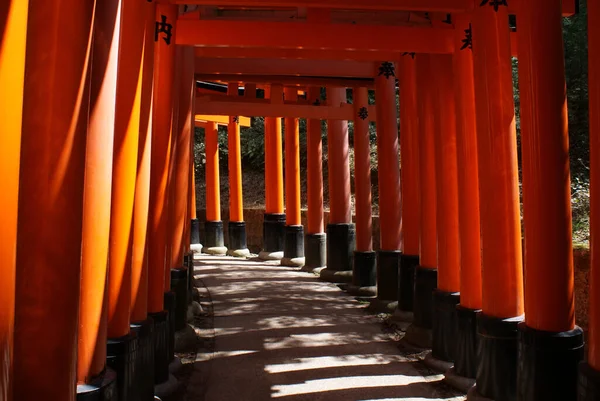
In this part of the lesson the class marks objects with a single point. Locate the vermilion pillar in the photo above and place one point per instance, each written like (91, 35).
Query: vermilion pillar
(465, 361)
(364, 269)
(502, 279)
(51, 186)
(426, 273)
(237, 226)
(390, 202)
(164, 61)
(409, 172)
(551, 346)
(12, 70)
(95, 297)
(340, 230)
(213, 227)
(274, 219)
(315, 239)
(293, 251)
(446, 296)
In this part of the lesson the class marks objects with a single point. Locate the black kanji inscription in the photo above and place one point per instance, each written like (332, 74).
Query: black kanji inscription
(468, 40)
(363, 113)
(495, 3)
(387, 70)
(163, 27)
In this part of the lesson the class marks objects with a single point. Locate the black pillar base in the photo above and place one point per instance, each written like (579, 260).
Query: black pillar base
(497, 357)
(145, 361)
(445, 329)
(214, 242)
(419, 333)
(364, 274)
(122, 357)
(341, 242)
(406, 282)
(293, 248)
(588, 385)
(161, 346)
(388, 264)
(179, 286)
(315, 251)
(101, 388)
(548, 363)
(194, 231)
(273, 236)
(170, 302)
(465, 359)
(188, 262)
(238, 245)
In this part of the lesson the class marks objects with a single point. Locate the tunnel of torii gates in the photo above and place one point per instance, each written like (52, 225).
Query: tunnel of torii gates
(97, 209)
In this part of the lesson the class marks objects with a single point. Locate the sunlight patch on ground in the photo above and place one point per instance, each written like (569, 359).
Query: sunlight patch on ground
(345, 383)
(222, 354)
(321, 339)
(324, 362)
(416, 399)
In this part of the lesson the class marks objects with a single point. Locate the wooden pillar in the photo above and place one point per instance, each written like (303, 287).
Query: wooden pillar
(194, 237)
(341, 234)
(213, 227)
(364, 269)
(549, 297)
(409, 172)
(502, 278)
(53, 150)
(293, 251)
(446, 296)
(468, 200)
(12, 71)
(236, 226)
(315, 245)
(274, 218)
(390, 202)
(426, 273)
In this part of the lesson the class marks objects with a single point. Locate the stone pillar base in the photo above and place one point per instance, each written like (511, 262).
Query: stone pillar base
(588, 386)
(364, 273)
(194, 231)
(457, 381)
(161, 346)
(145, 359)
(273, 236)
(315, 251)
(548, 363)
(465, 360)
(445, 329)
(121, 356)
(213, 235)
(293, 251)
(179, 286)
(497, 357)
(406, 282)
(341, 242)
(419, 333)
(238, 246)
(101, 388)
(418, 336)
(473, 395)
(388, 264)
(170, 303)
(382, 306)
(437, 365)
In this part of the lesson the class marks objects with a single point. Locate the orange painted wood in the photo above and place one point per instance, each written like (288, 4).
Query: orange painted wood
(497, 153)
(427, 173)
(236, 199)
(286, 80)
(96, 295)
(193, 188)
(468, 179)
(593, 337)
(213, 191)
(139, 263)
(314, 170)
(53, 151)
(446, 175)
(181, 180)
(250, 90)
(549, 297)
(292, 165)
(338, 162)
(314, 36)
(12, 71)
(221, 120)
(164, 61)
(362, 172)
(388, 150)
(127, 131)
(409, 154)
(274, 157)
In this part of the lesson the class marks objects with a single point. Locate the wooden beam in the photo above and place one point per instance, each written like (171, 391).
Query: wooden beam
(287, 80)
(220, 120)
(321, 36)
(265, 66)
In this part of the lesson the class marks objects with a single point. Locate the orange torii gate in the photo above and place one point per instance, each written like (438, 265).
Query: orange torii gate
(108, 168)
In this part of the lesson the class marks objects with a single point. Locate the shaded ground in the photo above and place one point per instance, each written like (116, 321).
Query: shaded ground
(271, 332)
